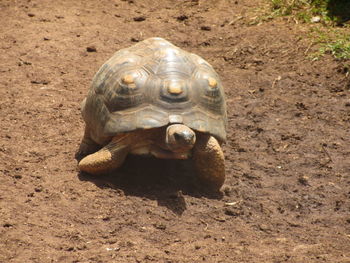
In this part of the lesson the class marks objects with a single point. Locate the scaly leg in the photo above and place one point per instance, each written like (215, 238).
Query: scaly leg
(113, 154)
(105, 160)
(209, 162)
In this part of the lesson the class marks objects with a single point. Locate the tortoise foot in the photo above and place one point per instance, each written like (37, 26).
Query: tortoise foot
(105, 160)
(209, 162)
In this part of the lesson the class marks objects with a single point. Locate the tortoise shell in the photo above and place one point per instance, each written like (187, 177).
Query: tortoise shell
(153, 84)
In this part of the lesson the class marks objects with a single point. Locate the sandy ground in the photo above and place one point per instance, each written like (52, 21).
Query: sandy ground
(287, 193)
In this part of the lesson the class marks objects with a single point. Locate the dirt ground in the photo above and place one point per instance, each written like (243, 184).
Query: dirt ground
(287, 193)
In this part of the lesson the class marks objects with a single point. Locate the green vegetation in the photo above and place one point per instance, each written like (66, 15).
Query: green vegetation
(331, 41)
(334, 11)
(332, 23)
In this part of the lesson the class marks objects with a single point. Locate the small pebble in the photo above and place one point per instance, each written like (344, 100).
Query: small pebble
(264, 227)
(91, 49)
(160, 226)
(315, 19)
(206, 28)
(304, 180)
(38, 189)
(227, 190)
(232, 212)
(182, 17)
(43, 82)
(139, 18)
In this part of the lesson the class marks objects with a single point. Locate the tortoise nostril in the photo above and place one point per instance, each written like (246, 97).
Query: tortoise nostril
(177, 136)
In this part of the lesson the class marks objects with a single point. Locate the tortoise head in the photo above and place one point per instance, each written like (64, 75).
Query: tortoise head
(179, 138)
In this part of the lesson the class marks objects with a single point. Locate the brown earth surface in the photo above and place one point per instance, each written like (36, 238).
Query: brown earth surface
(287, 193)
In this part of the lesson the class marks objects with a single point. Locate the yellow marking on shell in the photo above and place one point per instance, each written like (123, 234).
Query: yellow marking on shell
(128, 79)
(212, 82)
(175, 88)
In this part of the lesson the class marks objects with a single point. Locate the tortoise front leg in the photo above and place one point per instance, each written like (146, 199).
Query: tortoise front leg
(105, 160)
(209, 162)
(113, 154)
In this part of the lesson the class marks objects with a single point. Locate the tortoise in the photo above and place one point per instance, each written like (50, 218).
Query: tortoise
(156, 99)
